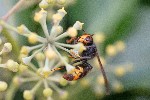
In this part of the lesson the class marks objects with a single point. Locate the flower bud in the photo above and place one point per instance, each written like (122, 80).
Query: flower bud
(117, 86)
(62, 12)
(99, 37)
(24, 50)
(22, 29)
(40, 56)
(78, 25)
(57, 30)
(3, 86)
(43, 4)
(23, 67)
(72, 32)
(50, 53)
(111, 50)
(27, 94)
(7, 48)
(120, 46)
(47, 92)
(56, 18)
(120, 71)
(40, 16)
(32, 38)
(13, 66)
(16, 81)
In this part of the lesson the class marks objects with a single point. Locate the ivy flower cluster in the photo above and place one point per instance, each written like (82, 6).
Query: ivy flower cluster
(10, 64)
(45, 50)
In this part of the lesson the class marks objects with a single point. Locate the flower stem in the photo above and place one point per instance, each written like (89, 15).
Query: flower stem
(14, 43)
(11, 91)
(61, 36)
(36, 87)
(13, 10)
(65, 45)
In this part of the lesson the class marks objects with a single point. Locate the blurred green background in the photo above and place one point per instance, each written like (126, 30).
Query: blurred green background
(127, 20)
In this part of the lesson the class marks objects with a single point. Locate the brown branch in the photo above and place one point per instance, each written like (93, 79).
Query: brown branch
(14, 9)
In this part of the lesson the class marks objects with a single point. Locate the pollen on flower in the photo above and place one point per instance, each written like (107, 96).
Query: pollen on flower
(3, 86)
(45, 72)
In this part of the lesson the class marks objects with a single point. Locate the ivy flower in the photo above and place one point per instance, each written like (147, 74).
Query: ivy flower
(45, 51)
